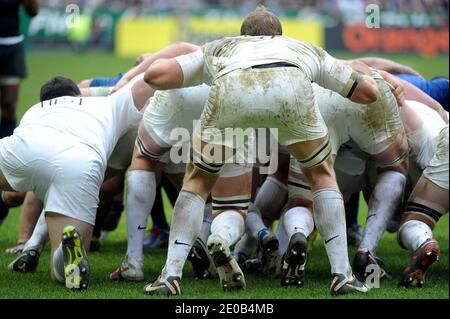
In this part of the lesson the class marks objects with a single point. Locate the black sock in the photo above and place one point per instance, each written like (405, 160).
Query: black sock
(157, 213)
(7, 127)
(351, 210)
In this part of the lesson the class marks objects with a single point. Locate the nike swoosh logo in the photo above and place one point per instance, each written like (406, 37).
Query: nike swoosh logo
(370, 216)
(296, 228)
(151, 288)
(328, 240)
(141, 227)
(361, 289)
(180, 243)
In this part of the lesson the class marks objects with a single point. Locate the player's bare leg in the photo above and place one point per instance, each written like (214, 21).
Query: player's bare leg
(427, 203)
(296, 225)
(416, 231)
(141, 191)
(70, 239)
(384, 200)
(266, 209)
(230, 200)
(186, 223)
(329, 212)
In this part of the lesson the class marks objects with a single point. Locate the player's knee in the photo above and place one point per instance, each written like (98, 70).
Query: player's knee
(13, 199)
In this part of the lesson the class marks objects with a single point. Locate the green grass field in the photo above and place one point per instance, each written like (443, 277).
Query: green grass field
(42, 66)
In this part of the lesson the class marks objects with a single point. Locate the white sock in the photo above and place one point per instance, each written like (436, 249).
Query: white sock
(141, 190)
(206, 226)
(186, 224)
(283, 239)
(329, 215)
(39, 237)
(246, 245)
(414, 233)
(298, 220)
(254, 223)
(383, 202)
(229, 225)
(270, 199)
(58, 264)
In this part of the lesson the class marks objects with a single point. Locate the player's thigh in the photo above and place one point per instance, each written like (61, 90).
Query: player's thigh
(429, 194)
(198, 180)
(316, 162)
(233, 189)
(147, 145)
(227, 186)
(395, 156)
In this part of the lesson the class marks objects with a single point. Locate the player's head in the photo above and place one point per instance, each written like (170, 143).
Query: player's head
(59, 86)
(261, 22)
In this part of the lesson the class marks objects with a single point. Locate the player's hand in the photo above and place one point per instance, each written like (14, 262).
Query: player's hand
(141, 58)
(396, 87)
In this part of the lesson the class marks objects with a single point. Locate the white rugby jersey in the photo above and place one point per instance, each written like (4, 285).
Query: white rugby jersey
(220, 57)
(98, 122)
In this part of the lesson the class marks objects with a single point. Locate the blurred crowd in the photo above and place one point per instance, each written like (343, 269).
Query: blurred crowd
(419, 13)
(330, 6)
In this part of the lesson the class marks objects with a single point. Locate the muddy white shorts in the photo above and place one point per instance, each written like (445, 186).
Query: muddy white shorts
(437, 169)
(279, 97)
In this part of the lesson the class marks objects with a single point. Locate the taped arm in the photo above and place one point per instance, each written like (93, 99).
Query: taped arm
(170, 51)
(346, 79)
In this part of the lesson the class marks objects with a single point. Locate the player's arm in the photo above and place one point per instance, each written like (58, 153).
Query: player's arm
(388, 65)
(182, 71)
(349, 79)
(415, 94)
(170, 51)
(396, 86)
(32, 7)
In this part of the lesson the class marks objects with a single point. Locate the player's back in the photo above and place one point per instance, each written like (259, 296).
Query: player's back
(95, 121)
(229, 54)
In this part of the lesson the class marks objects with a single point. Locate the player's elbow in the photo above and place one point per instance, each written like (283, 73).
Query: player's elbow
(154, 76)
(366, 92)
(164, 74)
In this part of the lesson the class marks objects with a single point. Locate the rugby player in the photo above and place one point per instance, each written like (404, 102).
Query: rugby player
(66, 170)
(248, 86)
(428, 136)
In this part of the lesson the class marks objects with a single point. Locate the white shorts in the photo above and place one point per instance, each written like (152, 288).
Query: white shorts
(174, 109)
(376, 125)
(437, 169)
(65, 174)
(280, 98)
(233, 170)
(372, 127)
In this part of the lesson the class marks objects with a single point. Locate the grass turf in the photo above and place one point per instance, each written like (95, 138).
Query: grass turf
(38, 285)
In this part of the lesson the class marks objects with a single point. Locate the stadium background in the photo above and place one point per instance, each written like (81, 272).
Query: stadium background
(105, 39)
